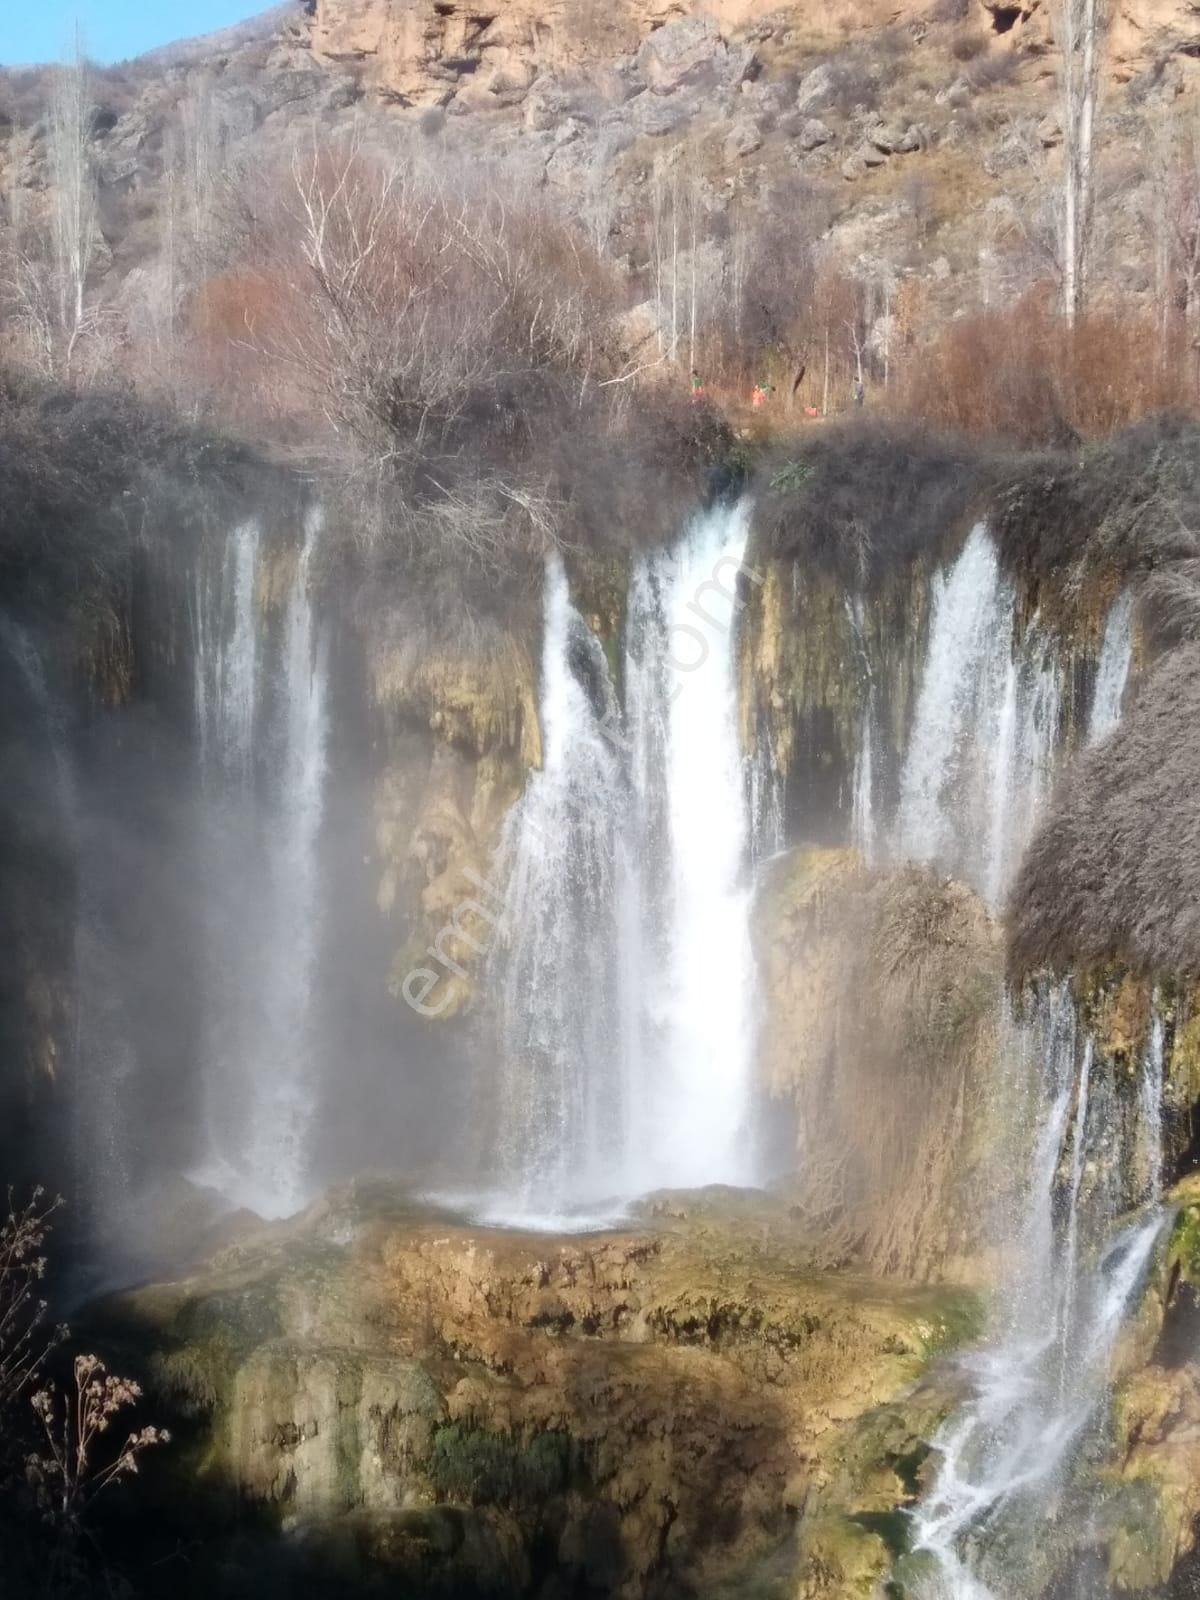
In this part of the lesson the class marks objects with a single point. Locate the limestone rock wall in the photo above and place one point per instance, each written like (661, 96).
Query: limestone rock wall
(644, 1412)
(421, 51)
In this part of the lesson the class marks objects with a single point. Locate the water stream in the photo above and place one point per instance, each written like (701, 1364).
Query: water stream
(624, 966)
(986, 1527)
(262, 725)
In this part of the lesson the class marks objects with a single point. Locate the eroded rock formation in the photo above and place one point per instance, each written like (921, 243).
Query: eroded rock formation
(641, 1411)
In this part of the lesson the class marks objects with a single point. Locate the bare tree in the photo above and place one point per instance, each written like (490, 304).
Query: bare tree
(1081, 30)
(1175, 185)
(75, 226)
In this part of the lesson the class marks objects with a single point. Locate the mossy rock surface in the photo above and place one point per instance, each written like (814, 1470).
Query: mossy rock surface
(664, 1398)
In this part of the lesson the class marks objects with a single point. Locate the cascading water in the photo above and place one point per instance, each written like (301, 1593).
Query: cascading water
(862, 804)
(561, 1110)
(623, 961)
(701, 1080)
(958, 707)
(1150, 1107)
(1039, 1382)
(1112, 671)
(986, 731)
(262, 721)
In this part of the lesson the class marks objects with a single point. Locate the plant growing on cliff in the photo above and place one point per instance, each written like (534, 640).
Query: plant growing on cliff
(25, 1341)
(53, 1461)
(68, 1472)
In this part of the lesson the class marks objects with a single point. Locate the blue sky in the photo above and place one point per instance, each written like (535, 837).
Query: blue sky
(41, 30)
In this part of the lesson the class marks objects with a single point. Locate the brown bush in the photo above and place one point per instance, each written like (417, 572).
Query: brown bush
(1027, 375)
(968, 45)
(1113, 875)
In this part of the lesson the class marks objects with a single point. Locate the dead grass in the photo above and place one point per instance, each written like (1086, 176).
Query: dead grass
(863, 496)
(1114, 874)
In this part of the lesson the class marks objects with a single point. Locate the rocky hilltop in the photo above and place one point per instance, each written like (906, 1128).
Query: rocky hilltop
(918, 147)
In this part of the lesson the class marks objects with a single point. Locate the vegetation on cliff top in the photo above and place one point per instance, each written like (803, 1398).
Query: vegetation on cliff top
(1114, 872)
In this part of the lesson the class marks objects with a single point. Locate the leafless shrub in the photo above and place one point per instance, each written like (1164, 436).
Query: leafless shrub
(413, 298)
(994, 70)
(966, 46)
(25, 1340)
(949, 10)
(855, 82)
(69, 1471)
(1023, 372)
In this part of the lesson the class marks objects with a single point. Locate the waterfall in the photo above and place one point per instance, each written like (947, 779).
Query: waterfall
(1112, 672)
(986, 730)
(862, 803)
(969, 647)
(560, 1097)
(700, 1128)
(623, 964)
(1039, 1381)
(262, 725)
(1150, 1107)
(765, 784)
(226, 657)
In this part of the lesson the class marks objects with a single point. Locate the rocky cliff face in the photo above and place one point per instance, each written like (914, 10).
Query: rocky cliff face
(644, 1412)
(423, 51)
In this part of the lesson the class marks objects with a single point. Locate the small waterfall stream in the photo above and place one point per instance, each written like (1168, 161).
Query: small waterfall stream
(1112, 672)
(623, 966)
(1040, 1380)
(261, 719)
(989, 726)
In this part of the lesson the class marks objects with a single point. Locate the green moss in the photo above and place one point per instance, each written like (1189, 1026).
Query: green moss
(893, 1527)
(957, 1319)
(1183, 1246)
(500, 1469)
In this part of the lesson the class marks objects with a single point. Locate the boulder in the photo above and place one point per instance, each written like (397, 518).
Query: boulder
(816, 89)
(814, 133)
(744, 138)
(546, 103)
(1049, 130)
(679, 52)
(886, 137)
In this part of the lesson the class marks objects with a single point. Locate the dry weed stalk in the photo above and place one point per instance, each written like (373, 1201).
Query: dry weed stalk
(68, 1475)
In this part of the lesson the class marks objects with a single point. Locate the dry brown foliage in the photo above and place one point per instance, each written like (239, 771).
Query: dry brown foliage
(1025, 374)
(1114, 873)
(25, 1340)
(68, 1472)
(884, 990)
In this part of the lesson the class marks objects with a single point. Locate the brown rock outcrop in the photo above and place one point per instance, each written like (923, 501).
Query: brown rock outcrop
(652, 1404)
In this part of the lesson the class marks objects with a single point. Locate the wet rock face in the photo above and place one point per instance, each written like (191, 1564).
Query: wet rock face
(632, 1411)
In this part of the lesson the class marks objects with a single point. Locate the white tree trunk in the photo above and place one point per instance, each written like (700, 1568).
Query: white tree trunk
(74, 212)
(1081, 31)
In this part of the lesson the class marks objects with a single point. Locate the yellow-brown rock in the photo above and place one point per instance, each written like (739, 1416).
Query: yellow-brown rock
(660, 1399)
